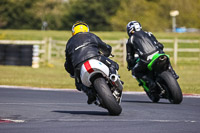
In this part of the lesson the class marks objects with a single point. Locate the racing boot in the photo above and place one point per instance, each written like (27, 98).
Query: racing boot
(122, 82)
(150, 83)
(78, 86)
(173, 72)
(90, 93)
(175, 75)
(91, 96)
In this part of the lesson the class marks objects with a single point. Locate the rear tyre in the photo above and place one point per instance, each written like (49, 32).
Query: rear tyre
(106, 97)
(171, 85)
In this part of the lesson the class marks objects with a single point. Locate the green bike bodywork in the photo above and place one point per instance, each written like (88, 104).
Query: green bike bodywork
(149, 66)
(155, 57)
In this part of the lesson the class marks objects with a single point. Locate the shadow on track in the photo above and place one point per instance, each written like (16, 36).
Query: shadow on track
(83, 112)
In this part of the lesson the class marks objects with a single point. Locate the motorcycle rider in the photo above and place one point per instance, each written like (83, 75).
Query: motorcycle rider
(82, 46)
(140, 46)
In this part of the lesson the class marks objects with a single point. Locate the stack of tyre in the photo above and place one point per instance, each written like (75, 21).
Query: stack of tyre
(20, 55)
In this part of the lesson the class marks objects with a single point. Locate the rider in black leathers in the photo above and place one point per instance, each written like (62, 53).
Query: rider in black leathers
(82, 46)
(140, 46)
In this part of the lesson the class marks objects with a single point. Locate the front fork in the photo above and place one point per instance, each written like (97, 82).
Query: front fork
(162, 90)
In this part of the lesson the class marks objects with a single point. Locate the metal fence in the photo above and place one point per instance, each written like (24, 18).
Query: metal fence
(56, 48)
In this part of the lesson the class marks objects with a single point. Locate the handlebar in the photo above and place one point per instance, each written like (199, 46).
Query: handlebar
(111, 55)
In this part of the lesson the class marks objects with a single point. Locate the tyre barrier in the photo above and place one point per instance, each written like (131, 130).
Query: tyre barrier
(19, 55)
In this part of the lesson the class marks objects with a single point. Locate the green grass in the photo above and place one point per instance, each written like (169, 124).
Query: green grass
(56, 35)
(55, 76)
(33, 35)
(45, 76)
(65, 35)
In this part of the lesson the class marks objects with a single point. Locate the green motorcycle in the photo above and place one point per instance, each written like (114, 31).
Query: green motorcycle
(166, 85)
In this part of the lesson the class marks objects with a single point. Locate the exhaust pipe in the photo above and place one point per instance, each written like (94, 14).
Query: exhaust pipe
(115, 79)
(162, 58)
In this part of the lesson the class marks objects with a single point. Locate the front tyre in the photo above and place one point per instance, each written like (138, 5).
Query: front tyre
(171, 85)
(107, 98)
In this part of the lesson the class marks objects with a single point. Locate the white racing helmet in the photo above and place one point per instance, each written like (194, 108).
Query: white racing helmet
(132, 27)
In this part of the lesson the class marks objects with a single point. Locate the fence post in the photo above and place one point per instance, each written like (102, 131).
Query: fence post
(44, 50)
(175, 51)
(49, 50)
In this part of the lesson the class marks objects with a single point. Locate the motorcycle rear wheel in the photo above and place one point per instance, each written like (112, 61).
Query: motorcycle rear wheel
(106, 96)
(171, 85)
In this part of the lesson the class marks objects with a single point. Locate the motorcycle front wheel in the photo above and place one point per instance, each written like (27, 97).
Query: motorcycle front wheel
(106, 96)
(172, 87)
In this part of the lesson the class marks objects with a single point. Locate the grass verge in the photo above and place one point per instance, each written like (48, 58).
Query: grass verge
(57, 77)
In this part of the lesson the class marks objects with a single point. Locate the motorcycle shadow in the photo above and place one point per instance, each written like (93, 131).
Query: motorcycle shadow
(135, 101)
(83, 112)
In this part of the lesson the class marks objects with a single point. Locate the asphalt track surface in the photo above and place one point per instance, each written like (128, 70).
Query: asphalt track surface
(25, 110)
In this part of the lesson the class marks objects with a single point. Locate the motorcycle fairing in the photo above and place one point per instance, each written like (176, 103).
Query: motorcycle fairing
(155, 57)
(90, 68)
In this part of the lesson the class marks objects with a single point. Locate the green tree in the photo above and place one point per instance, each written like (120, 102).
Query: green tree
(99, 14)
(28, 14)
(50, 11)
(189, 12)
(17, 14)
(96, 13)
(146, 12)
(154, 14)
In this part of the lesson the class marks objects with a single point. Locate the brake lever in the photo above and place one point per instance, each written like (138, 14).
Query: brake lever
(111, 55)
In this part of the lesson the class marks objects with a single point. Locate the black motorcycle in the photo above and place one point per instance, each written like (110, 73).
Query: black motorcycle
(166, 85)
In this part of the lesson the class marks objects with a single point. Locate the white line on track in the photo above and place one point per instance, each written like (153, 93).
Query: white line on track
(11, 120)
(40, 103)
(143, 93)
(74, 90)
(106, 120)
(123, 120)
(37, 88)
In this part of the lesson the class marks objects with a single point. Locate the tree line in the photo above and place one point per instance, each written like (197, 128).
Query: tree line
(101, 15)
